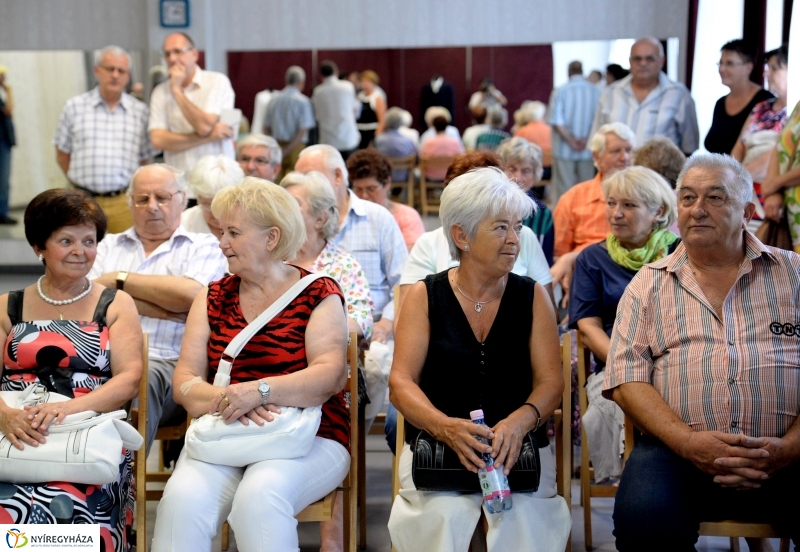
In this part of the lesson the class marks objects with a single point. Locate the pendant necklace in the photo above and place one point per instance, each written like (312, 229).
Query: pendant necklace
(478, 304)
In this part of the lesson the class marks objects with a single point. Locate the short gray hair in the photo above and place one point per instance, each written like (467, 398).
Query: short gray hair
(295, 75)
(497, 117)
(266, 205)
(652, 40)
(519, 150)
(256, 139)
(114, 51)
(394, 118)
(645, 185)
(212, 173)
(320, 197)
(477, 194)
(435, 111)
(333, 159)
(598, 142)
(177, 174)
(741, 184)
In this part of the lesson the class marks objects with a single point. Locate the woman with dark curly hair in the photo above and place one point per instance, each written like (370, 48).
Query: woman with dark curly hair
(370, 174)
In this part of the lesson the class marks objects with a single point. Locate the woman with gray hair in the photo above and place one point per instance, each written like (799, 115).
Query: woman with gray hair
(640, 207)
(209, 175)
(465, 341)
(296, 359)
(317, 203)
(522, 162)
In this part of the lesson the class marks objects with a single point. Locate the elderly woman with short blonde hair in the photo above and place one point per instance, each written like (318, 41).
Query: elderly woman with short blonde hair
(209, 175)
(296, 359)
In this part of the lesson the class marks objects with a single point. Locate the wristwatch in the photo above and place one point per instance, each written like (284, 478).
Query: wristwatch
(121, 277)
(263, 388)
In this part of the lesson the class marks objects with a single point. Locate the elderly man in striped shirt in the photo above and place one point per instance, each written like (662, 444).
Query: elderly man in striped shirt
(163, 267)
(705, 360)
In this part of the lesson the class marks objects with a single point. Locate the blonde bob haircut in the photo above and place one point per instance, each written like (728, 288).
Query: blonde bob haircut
(646, 185)
(480, 193)
(267, 206)
(319, 196)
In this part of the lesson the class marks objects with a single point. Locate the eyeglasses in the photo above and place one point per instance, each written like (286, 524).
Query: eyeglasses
(162, 198)
(262, 161)
(729, 64)
(643, 59)
(178, 51)
(113, 70)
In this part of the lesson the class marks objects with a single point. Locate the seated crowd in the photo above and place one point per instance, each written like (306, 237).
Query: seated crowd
(691, 320)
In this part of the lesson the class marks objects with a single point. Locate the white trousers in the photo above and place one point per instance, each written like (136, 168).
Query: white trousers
(445, 522)
(259, 501)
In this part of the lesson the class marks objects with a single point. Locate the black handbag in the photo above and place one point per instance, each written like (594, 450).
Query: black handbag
(436, 467)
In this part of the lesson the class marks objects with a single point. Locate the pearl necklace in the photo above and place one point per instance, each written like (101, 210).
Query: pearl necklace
(57, 303)
(478, 304)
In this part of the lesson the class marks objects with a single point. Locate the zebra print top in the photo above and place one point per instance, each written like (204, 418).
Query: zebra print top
(278, 348)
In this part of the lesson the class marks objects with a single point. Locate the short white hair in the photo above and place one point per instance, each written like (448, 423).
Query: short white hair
(598, 142)
(436, 111)
(261, 140)
(652, 40)
(741, 184)
(333, 159)
(114, 51)
(212, 173)
(177, 174)
(470, 198)
(320, 197)
(295, 75)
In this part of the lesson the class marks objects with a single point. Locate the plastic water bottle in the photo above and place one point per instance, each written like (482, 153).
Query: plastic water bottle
(494, 483)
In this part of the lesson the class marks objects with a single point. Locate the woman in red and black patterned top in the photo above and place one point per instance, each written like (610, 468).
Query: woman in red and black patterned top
(299, 354)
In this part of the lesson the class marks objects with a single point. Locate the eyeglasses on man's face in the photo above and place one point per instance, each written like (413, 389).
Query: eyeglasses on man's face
(643, 59)
(260, 160)
(729, 64)
(112, 70)
(162, 198)
(177, 51)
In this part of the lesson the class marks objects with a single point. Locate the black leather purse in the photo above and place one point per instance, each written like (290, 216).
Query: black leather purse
(436, 467)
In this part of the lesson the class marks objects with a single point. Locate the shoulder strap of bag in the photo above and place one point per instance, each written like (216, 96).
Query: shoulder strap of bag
(15, 306)
(237, 343)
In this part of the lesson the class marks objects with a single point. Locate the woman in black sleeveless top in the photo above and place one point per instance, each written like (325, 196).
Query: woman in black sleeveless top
(478, 337)
(75, 338)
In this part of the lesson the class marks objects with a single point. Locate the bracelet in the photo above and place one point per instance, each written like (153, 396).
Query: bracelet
(538, 415)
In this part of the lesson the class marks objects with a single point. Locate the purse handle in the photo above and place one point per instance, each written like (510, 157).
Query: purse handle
(223, 376)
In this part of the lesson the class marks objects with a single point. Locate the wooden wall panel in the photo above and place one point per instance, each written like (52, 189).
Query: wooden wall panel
(252, 72)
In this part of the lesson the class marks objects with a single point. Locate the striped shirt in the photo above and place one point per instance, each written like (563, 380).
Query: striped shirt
(209, 91)
(573, 106)
(736, 374)
(186, 254)
(372, 236)
(288, 112)
(667, 111)
(580, 217)
(105, 146)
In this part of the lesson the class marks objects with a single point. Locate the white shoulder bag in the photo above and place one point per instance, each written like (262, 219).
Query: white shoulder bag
(291, 433)
(84, 448)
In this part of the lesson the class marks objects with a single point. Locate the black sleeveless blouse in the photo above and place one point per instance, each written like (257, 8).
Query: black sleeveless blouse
(461, 374)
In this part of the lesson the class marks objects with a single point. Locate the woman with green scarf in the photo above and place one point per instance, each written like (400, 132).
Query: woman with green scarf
(640, 207)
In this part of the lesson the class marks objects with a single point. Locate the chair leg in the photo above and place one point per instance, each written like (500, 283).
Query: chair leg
(784, 546)
(362, 490)
(350, 525)
(735, 544)
(586, 492)
(226, 530)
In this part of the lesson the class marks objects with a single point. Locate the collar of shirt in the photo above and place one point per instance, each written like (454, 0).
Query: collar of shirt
(577, 78)
(594, 193)
(291, 89)
(179, 233)
(197, 79)
(753, 249)
(356, 205)
(124, 100)
(663, 85)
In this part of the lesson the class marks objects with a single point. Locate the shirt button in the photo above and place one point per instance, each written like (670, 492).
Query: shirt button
(730, 381)
(483, 353)
(734, 423)
(730, 342)
(482, 362)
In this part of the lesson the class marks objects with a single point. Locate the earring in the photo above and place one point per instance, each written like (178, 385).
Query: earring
(466, 248)
(41, 257)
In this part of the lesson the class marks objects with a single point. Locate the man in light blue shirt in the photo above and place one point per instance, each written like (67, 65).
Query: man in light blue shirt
(289, 118)
(572, 108)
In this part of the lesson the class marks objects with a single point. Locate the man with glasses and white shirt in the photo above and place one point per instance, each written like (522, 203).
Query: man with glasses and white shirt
(648, 102)
(163, 267)
(102, 138)
(185, 109)
(259, 155)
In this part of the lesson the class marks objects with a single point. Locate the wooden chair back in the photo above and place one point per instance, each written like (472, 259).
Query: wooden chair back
(563, 430)
(430, 204)
(405, 163)
(139, 421)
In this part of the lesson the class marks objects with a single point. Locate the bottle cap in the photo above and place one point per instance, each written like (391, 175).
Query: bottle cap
(476, 415)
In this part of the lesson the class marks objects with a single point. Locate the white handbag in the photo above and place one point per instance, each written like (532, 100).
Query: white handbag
(84, 448)
(291, 433)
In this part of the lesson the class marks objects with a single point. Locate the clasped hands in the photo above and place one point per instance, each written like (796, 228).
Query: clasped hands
(29, 426)
(238, 402)
(737, 461)
(506, 438)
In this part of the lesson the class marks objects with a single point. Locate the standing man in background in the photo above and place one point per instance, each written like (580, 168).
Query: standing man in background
(572, 108)
(101, 138)
(290, 117)
(7, 141)
(336, 109)
(185, 109)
